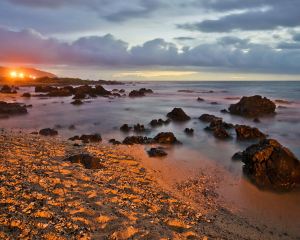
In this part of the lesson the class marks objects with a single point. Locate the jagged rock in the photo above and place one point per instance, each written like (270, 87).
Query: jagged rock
(156, 152)
(159, 122)
(136, 140)
(48, 132)
(140, 93)
(125, 128)
(177, 114)
(270, 165)
(209, 118)
(165, 138)
(244, 132)
(253, 106)
(189, 131)
(88, 161)
(12, 108)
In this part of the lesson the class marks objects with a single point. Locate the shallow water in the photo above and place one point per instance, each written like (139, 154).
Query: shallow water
(105, 116)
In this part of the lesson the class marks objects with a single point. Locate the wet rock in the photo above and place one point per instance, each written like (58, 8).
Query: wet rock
(8, 89)
(244, 132)
(209, 118)
(125, 128)
(122, 91)
(77, 102)
(220, 133)
(253, 106)
(270, 165)
(79, 95)
(156, 152)
(48, 132)
(12, 108)
(189, 131)
(27, 95)
(159, 122)
(114, 142)
(87, 138)
(101, 91)
(140, 93)
(177, 114)
(165, 138)
(199, 99)
(136, 140)
(88, 161)
(139, 128)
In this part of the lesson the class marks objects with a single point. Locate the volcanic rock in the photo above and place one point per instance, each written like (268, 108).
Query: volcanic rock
(86, 160)
(253, 106)
(177, 114)
(270, 165)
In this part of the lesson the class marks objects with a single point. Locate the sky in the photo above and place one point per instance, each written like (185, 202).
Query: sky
(154, 39)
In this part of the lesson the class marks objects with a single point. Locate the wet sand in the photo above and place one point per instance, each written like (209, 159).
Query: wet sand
(41, 195)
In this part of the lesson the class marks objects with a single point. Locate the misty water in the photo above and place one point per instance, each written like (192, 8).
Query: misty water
(105, 116)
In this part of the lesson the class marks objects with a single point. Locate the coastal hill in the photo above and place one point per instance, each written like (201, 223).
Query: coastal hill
(22, 76)
(6, 72)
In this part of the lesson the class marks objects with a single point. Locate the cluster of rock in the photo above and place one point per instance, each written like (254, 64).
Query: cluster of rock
(161, 138)
(87, 138)
(159, 122)
(253, 106)
(140, 93)
(80, 92)
(270, 165)
(220, 129)
(12, 108)
(9, 90)
(137, 128)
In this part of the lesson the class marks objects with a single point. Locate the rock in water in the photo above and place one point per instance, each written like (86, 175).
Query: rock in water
(165, 138)
(253, 106)
(244, 132)
(12, 108)
(48, 132)
(136, 140)
(156, 152)
(86, 160)
(270, 165)
(177, 114)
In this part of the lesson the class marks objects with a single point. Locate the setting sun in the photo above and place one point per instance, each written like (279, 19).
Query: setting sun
(13, 74)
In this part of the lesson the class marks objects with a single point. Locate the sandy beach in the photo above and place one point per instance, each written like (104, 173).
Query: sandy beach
(44, 196)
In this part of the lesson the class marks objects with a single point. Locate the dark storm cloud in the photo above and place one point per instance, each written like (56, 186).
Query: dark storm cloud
(29, 46)
(275, 14)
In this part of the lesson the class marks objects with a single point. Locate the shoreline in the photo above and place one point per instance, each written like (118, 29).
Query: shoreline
(41, 194)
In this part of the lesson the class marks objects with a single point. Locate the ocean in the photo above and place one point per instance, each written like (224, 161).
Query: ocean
(106, 115)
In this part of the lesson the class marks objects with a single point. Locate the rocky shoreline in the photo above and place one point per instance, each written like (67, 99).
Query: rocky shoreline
(43, 195)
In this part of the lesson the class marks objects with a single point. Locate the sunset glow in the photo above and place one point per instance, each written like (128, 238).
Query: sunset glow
(20, 75)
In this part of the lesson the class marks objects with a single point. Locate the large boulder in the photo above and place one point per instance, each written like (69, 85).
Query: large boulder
(86, 160)
(12, 108)
(165, 138)
(177, 114)
(244, 132)
(270, 165)
(253, 106)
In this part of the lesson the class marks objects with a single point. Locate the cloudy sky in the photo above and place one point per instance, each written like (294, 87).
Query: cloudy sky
(154, 39)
